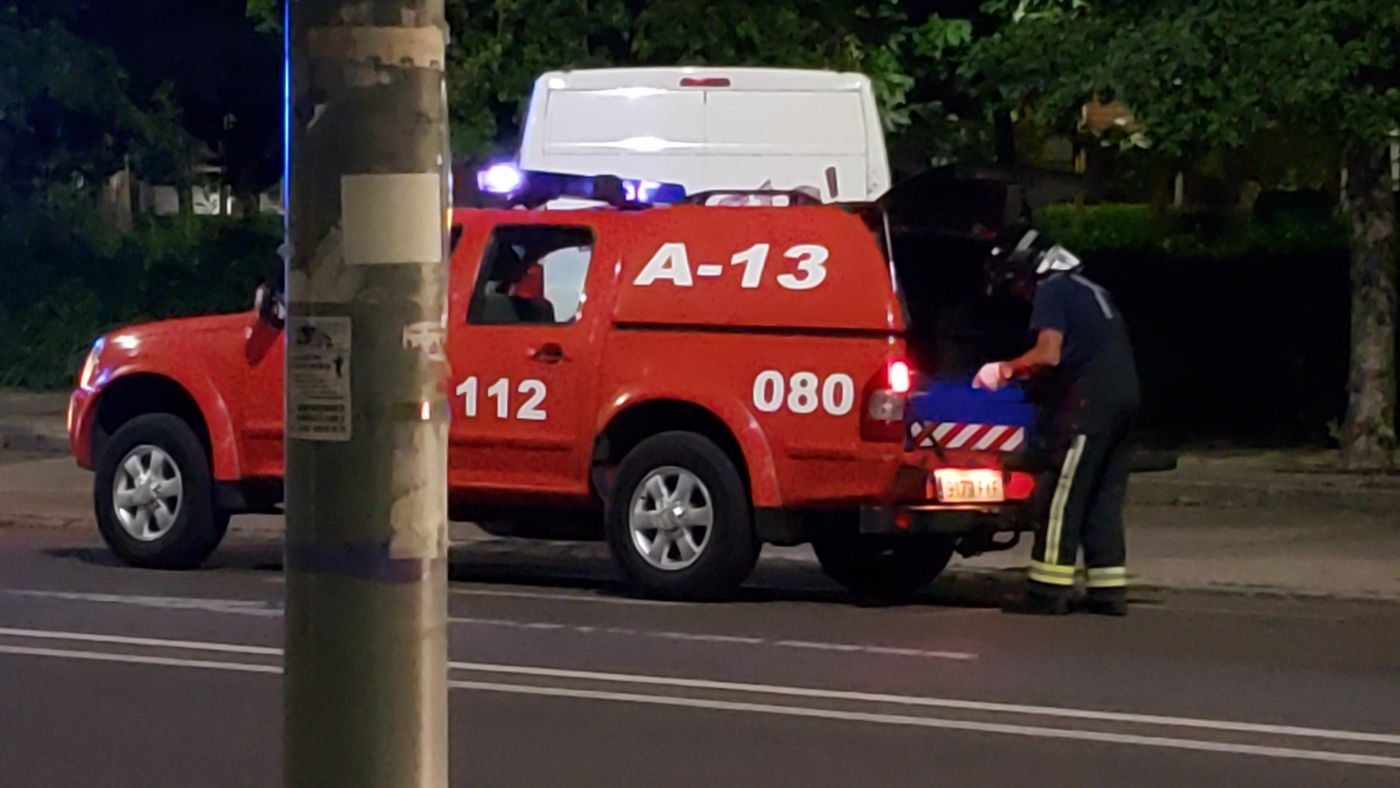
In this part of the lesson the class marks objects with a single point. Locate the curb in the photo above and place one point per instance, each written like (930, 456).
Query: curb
(581, 552)
(1156, 492)
(1141, 589)
(15, 437)
(58, 522)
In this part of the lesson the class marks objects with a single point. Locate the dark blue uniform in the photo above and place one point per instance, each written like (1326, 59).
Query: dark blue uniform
(1089, 403)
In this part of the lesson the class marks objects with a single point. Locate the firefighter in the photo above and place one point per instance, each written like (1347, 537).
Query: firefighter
(1083, 361)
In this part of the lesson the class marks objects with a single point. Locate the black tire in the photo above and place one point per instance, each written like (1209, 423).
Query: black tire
(197, 526)
(730, 548)
(888, 568)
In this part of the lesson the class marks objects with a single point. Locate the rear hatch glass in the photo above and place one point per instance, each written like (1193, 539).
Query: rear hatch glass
(940, 229)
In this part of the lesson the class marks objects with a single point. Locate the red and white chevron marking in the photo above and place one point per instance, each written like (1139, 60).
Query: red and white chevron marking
(976, 437)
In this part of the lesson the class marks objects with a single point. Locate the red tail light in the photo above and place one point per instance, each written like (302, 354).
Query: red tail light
(899, 376)
(1020, 487)
(885, 396)
(705, 82)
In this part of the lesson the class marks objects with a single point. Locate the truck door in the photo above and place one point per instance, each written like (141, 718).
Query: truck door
(523, 364)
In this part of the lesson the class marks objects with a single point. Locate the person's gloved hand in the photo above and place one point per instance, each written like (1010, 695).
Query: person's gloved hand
(992, 376)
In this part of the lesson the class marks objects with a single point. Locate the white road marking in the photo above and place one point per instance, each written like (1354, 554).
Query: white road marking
(242, 607)
(766, 689)
(140, 659)
(936, 722)
(126, 640)
(264, 609)
(840, 715)
(943, 703)
(602, 600)
(882, 650)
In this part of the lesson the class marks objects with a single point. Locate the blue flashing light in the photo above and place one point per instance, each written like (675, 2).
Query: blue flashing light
(534, 188)
(500, 178)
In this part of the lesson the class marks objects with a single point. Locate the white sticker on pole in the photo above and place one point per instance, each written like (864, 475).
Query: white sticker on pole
(318, 378)
(389, 219)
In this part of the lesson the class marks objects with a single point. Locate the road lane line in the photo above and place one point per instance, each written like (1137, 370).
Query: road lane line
(929, 702)
(768, 689)
(1290, 753)
(125, 640)
(140, 659)
(888, 651)
(242, 607)
(601, 600)
(265, 610)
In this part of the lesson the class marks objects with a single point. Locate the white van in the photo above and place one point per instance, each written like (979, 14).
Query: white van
(712, 128)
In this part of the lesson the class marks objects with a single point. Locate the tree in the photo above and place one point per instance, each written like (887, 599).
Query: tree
(1206, 79)
(65, 114)
(500, 46)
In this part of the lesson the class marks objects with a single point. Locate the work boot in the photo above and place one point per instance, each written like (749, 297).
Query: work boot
(1033, 604)
(1106, 607)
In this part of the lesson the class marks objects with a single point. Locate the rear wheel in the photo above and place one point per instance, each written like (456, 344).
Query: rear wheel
(154, 495)
(882, 566)
(679, 522)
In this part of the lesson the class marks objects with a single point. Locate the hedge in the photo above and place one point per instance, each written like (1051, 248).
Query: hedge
(69, 278)
(1191, 233)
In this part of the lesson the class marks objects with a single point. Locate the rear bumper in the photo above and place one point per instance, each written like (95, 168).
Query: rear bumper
(952, 520)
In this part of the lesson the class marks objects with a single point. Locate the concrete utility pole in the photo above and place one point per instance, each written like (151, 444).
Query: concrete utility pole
(366, 558)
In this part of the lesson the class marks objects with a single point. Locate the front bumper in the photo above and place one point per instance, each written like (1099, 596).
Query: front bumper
(82, 416)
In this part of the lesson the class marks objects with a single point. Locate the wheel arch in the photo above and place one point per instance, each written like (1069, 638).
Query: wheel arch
(637, 419)
(141, 393)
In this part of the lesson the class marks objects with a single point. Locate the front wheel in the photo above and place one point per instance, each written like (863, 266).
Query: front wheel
(880, 566)
(154, 495)
(679, 522)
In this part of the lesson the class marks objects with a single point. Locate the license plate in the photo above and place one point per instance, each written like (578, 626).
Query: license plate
(968, 486)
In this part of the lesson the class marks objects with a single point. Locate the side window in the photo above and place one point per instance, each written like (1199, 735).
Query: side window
(532, 275)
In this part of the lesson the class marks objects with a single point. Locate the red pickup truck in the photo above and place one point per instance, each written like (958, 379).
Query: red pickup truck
(685, 382)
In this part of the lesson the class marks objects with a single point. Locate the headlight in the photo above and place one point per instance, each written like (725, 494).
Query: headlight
(90, 366)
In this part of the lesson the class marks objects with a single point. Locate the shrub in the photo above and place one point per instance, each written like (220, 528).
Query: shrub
(70, 278)
(1194, 233)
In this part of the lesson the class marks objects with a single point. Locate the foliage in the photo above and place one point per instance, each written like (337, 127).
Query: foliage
(267, 14)
(70, 278)
(1201, 77)
(65, 116)
(500, 46)
(1197, 233)
(1204, 80)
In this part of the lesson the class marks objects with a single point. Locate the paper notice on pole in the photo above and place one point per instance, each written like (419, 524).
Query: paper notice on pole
(318, 378)
(392, 219)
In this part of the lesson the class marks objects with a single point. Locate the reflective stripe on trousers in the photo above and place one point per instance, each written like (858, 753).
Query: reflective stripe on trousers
(1052, 574)
(1107, 577)
(1056, 524)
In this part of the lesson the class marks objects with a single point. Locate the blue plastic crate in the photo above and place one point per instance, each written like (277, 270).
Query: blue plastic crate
(951, 399)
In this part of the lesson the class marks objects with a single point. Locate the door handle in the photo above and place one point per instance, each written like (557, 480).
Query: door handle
(548, 353)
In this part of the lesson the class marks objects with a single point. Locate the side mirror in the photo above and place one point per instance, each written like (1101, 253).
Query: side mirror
(269, 306)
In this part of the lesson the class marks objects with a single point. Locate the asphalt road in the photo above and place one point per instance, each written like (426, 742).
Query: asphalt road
(115, 676)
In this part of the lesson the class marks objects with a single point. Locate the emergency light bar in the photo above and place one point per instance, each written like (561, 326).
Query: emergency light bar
(530, 188)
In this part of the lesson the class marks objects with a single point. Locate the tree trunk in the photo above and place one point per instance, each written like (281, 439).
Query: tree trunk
(1368, 436)
(1005, 130)
(185, 189)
